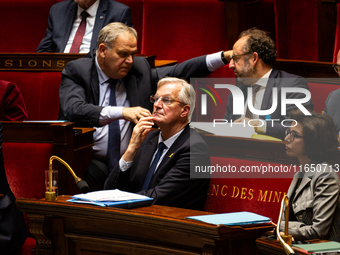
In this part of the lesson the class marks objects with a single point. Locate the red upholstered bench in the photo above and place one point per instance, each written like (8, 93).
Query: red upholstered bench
(26, 176)
(40, 91)
(27, 148)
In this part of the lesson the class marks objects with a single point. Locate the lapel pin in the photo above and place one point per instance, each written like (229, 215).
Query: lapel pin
(171, 155)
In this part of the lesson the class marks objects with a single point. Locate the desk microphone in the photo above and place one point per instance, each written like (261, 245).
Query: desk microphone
(288, 238)
(81, 184)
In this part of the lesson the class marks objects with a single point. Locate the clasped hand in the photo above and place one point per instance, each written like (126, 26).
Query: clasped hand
(140, 131)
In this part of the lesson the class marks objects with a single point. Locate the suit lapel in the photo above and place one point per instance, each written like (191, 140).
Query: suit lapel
(175, 146)
(95, 82)
(145, 159)
(68, 23)
(304, 182)
(130, 83)
(290, 192)
(98, 24)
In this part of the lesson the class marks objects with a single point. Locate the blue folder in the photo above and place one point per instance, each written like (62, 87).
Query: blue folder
(232, 219)
(127, 204)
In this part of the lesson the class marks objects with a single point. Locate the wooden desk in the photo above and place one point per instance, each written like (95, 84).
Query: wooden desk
(76, 150)
(273, 247)
(67, 228)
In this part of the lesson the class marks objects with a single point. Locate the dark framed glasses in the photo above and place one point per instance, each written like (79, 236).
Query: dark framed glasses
(292, 135)
(165, 100)
(236, 58)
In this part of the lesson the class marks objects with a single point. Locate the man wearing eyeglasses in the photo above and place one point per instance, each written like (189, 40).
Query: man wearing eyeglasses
(87, 99)
(252, 60)
(332, 104)
(157, 164)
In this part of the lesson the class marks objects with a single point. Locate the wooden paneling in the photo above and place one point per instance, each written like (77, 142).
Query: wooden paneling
(70, 228)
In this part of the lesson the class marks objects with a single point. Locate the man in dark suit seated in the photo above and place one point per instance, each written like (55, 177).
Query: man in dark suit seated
(332, 104)
(252, 60)
(158, 164)
(87, 99)
(12, 224)
(66, 18)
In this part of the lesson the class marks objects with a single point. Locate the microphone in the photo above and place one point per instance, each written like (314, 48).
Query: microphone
(288, 238)
(81, 184)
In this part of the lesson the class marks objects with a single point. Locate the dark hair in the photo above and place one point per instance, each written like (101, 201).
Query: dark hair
(320, 135)
(260, 42)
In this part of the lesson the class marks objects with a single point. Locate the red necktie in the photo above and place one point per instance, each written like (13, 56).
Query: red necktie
(78, 38)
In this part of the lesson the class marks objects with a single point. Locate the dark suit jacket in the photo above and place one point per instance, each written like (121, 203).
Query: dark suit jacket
(171, 184)
(278, 79)
(79, 89)
(12, 224)
(62, 16)
(332, 106)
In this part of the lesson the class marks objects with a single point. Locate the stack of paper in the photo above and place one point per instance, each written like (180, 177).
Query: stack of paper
(112, 198)
(232, 219)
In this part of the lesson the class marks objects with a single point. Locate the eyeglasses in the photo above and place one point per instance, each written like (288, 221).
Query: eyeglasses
(292, 135)
(235, 57)
(165, 100)
(336, 68)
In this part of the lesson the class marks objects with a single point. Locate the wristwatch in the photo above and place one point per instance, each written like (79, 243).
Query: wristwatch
(225, 61)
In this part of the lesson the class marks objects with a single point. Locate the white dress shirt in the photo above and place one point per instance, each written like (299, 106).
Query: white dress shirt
(86, 43)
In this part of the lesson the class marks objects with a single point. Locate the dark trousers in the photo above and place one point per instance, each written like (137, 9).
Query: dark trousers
(96, 174)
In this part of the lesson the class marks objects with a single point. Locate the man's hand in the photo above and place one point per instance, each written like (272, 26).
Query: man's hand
(134, 114)
(228, 54)
(140, 131)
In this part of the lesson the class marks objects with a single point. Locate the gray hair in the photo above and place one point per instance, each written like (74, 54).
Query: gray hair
(110, 32)
(187, 95)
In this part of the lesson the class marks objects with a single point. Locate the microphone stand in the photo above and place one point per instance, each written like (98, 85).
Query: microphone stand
(285, 240)
(51, 195)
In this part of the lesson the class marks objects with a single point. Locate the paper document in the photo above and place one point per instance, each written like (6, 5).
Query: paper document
(232, 219)
(110, 195)
(112, 198)
(224, 129)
